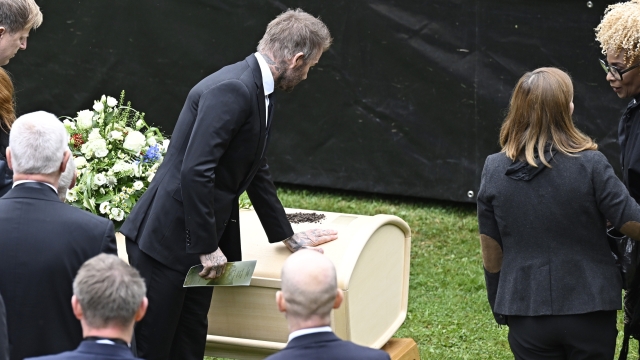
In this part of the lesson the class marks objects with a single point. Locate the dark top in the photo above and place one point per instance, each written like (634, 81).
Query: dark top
(4, 339)
(6, 175)
(217, 151)
(629, 140)
(43, 244)
(90, 350)
(552, 231)
(326, 345)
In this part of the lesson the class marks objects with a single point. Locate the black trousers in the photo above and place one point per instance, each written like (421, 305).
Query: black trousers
(573, 337)
(175, 326)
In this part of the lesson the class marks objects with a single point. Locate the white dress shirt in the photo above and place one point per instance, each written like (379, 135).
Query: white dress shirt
(32, 181)
(267, 82)
(308, 331)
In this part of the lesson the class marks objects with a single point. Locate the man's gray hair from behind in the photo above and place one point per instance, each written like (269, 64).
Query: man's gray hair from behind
(18, 15)
(109, 291)
(305, 302)
(66, 178)
(38, 142)
(292, 32)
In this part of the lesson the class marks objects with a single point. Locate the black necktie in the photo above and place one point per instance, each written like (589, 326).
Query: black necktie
(272, 100)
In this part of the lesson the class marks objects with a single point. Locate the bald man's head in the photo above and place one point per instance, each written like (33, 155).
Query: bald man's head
(309, 286)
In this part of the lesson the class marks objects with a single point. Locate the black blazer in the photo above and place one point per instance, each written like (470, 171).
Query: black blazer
(552, 231)
(216, 153)
(326, 345)
(4, 339)
(90, 350)
(43, 243)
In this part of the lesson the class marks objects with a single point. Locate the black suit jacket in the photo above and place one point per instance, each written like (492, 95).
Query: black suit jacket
(216, 153)
(326, 345)
(43, 243)
(90, 350)
(552, 229)
(4, 339)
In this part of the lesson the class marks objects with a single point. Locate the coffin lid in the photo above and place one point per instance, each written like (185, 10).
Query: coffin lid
(354, 232)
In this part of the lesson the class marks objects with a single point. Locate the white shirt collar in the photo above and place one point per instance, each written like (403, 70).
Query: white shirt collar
(267, 77)
(33, 181)
(308, 331)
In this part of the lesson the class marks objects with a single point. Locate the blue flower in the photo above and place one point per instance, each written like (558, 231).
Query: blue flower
(153, 154)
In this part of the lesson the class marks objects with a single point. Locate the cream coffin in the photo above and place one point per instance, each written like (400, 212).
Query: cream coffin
(371, 256)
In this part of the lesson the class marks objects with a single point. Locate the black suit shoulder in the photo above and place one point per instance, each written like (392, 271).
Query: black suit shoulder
(326, 346)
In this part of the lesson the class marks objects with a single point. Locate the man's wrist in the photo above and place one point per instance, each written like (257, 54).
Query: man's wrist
(291, 243)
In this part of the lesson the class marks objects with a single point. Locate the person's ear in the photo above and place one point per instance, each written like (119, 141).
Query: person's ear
(65, 159)
(297, 60)
(2, 31)
(339, 298)
(77, 309)
(8, 154)
(282, 305)
(142, 309)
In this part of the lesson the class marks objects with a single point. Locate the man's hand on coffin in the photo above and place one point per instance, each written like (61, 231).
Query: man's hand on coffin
(309, 239)
(213, 264)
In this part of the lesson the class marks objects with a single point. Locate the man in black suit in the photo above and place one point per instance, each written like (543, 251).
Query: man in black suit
(43, 240)
(189, 214)
(309, 293)
(108, 299)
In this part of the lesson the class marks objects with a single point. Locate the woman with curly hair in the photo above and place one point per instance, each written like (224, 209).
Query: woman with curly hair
(619, 36)
(542, 210)
(7, 117)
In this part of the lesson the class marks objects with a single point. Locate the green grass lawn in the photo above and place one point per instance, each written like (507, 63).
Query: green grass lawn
(448, 315)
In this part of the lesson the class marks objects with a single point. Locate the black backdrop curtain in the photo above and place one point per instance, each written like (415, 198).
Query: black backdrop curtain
(408, 100)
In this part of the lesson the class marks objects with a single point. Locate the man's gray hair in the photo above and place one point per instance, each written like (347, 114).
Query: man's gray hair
(109, 291)
(66, 178)
(38, 142)
(18, 15)
(292, 32)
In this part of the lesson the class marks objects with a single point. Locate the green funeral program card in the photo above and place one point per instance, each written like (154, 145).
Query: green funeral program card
(235, 274)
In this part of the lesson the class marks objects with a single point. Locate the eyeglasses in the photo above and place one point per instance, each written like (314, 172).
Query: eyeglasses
(617, 73)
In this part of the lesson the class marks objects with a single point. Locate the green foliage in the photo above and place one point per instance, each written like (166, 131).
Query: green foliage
(449, 316)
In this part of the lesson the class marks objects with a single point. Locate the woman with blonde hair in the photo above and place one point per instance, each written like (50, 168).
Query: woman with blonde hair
(7, 117)
(543, 205)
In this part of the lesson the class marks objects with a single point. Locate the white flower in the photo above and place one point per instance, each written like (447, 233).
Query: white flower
(85, 119)
(104, 207)
(150, 178)
(69, 124)
(95, 134)
(95, 147)
(100, 179)
(139, 124)
(111, 102)
(103, 98)
(151, 141)
(134, 141)
(80, 162)
(165, 144)
(71, 195)
(138, 185)
(112, 181)
(98, 106)
(116, 135)
(102, 152)
(117, 214)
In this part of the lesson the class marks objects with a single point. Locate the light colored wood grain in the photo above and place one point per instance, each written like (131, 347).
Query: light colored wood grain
(402, 349)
